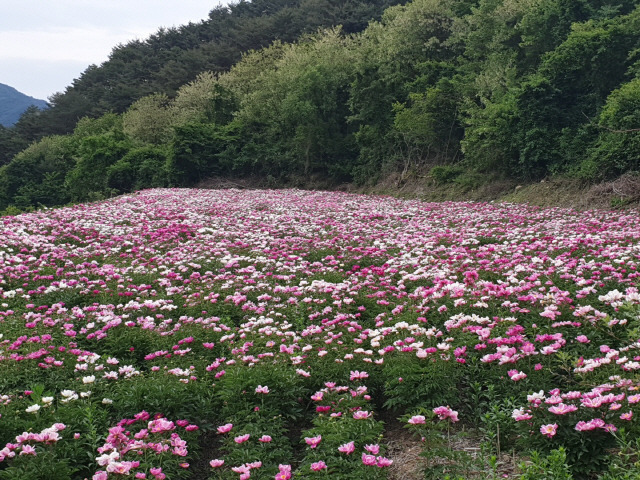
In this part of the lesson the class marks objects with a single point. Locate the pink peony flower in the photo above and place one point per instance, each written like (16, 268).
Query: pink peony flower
(373, 449)
(515, 375)
(313, 442)
(28, 450)
(241, 438)
(562, 409)
(417, 419)
(361, 415)
(225, 428)
(347, 448)
(317, 466)
(284, 472)
(369, 460)
(549, 430)
(216, 463)
(445, 412)
(261, 389)
(157, 473)
(357, 375)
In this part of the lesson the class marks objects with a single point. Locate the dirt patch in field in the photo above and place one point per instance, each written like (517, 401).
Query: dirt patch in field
(408, 463)
(622, 193)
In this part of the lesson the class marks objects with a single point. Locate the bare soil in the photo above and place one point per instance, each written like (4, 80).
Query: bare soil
(622, 193)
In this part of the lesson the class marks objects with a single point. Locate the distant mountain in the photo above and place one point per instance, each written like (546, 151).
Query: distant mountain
(13, 104)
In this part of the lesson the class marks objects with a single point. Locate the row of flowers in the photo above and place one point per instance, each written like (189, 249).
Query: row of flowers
(200, 295)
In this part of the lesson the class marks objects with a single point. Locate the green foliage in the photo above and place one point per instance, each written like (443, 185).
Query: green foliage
(172, 57)
(445, 173)
(141, 167)
(10, 144)
(624, 465)
(424, 382)
(148, 120)
(36, 175)
(391, 55)
(429, 125)
(149, 164)
(617, 149)
(236, 392)
(442, 460)
(297, 107)
(120, 176)
(95, 155)
(497, 425)
(44, 466)
(550, 467)
(487, 144)
(196, 151)
(203, 100)
(515, 89)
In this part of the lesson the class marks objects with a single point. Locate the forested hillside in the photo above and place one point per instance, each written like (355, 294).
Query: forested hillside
(460, 88)
(172, 57)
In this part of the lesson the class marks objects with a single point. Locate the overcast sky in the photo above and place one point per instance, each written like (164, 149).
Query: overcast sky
(45, 44)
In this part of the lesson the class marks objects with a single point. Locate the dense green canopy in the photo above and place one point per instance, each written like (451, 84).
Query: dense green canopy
(518, 88)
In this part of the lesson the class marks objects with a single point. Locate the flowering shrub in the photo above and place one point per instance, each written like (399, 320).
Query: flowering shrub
(145, 445)
(32, 456)
(303, 318)
(581, 420)
(345, 438)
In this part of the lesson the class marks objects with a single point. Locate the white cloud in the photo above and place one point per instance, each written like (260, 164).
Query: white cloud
(39, 79)
(89, 45)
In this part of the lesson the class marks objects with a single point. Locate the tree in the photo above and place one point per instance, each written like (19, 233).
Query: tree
(196, 151)
(617, 148)
(408, 51)
(296, 107)
(99, 144)
(149, 120)
(429, 125)
(203, 100)
(36, 175)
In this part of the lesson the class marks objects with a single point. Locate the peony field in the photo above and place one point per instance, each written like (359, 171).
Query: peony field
(278, 334)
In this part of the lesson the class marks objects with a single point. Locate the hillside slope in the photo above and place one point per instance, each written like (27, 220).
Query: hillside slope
(14, 103)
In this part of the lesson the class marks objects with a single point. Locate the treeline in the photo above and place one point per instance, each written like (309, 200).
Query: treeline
(520, 88)
(172, 57)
